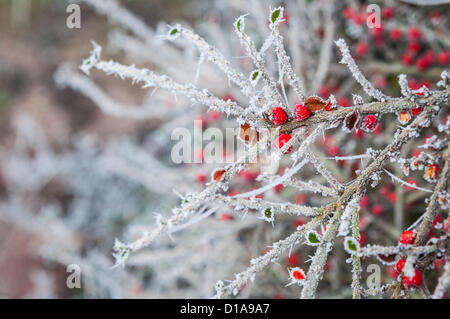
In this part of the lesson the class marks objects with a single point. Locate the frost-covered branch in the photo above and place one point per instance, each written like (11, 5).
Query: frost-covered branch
(320, 167)
(151, 79)
(258, 264)
(274, 99)
(215, 57)
(315, 272)
(268, 207)
(366, 85)
(276, 17)
(67, 77)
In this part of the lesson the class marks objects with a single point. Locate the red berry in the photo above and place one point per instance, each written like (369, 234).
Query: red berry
(416, 280)
(416, 111)
(226, 216)
(361, 48)
(407, 237)
(343, 101)
(228, 97)
(422, 63)
(292, 260)
(201, 178)
(414, 47)
(348, 12)
(298, 274)
(364, 201)
(387, 12)
(279, 116)
(281, 140)
(400, 264)
(414, 33)
(301, 112)
(392, 197)
(443, 57)
(407, 58)
(370, 121)
(395, 34)
(377, 210)
(278, 188)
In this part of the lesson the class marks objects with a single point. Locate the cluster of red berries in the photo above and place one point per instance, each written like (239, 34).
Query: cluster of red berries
(303, 112)
(415, 54)
(409, 281)
(407, 238)
(427, 58)
(405, 116)
(358, 17)
(279, 116)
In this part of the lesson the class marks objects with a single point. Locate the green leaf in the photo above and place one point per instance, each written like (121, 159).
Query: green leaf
(255, 75)
(351, 245)
(275, 15)
(268, 213)
(238, 25)
(174, 32)
(313, 238)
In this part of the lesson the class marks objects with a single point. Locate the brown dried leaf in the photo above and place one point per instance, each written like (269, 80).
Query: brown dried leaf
(247, 134)
(387, 259)
(314, 103)
(404, 117)
(218, 174)
(351, 120)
